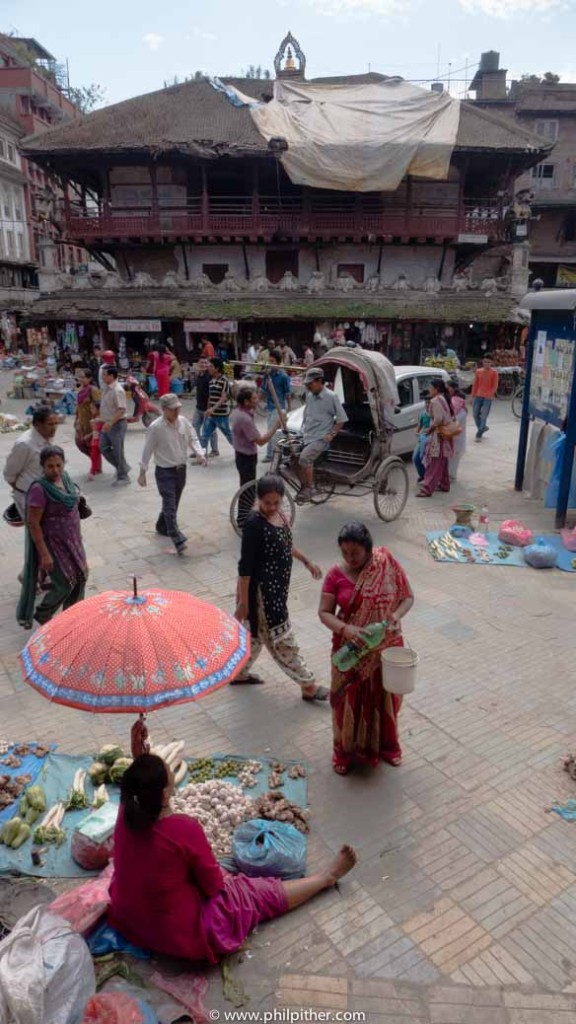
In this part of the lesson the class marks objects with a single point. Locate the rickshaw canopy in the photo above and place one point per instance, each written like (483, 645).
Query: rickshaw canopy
(377, 375)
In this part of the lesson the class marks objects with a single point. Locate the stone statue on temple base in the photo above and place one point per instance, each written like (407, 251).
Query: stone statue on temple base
(230, 283)
(345, 283)
(259, 283)
(201, 283)
(171, 280)
(113, 280)
(142, 279)
(317, 282)
(288, 282)
(373, 283)
(432, 285)
(401, 284)
(461, 281)
(488, 286)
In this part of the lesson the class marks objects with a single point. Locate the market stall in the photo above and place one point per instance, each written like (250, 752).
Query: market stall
(550, 389)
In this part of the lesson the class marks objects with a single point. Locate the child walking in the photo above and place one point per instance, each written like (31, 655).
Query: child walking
(95, 456)
(418, 454)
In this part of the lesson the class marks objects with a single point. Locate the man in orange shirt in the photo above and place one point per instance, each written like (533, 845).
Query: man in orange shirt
(484, 388)
(208, 351)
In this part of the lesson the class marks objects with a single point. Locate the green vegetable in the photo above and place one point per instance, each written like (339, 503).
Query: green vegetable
(31, 816)
(77, 801)
(36, 798)
(110, 753)
(22, 835)
(98, 773)
(11, 830)
(118, 768)
(49, 834)
(23, 807)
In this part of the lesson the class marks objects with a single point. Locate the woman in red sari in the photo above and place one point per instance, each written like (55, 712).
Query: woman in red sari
(367, 586)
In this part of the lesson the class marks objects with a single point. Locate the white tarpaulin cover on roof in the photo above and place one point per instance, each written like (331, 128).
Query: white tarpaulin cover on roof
(360, 138)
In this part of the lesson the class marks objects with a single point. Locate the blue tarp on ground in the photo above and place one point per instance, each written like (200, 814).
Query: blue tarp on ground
(515, 556)
(57, 773)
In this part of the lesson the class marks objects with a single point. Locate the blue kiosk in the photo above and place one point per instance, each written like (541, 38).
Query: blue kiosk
(550, 386)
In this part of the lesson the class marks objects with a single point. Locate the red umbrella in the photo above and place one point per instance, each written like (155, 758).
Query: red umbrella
(122, 652)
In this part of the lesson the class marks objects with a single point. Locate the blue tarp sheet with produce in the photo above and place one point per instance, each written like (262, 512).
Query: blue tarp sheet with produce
(56, 774)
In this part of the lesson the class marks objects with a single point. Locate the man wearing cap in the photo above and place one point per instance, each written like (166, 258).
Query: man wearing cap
(323, 419)
(168, 440)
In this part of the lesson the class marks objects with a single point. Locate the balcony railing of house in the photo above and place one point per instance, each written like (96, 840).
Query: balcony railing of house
(254, 217)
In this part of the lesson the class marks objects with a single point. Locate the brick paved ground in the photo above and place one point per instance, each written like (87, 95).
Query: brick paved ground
(463, 907)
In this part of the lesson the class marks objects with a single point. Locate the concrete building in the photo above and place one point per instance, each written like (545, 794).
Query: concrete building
(547, 190)
(199, 229)
(18, 278)
(33, 92)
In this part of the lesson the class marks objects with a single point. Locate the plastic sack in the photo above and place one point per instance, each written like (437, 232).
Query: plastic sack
(541, 555)
(83, 906)
(269, 849)
(93, 838)
(554, 452)
(569, 539)
(117, 1008)
(515, 533)
(105, 939)
(46, 971)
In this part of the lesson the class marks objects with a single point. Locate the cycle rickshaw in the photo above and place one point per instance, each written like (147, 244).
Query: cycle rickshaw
(359, 460)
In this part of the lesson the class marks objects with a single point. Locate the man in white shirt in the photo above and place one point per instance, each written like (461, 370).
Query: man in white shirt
(113, 412)
(168, 440)
(23, 463)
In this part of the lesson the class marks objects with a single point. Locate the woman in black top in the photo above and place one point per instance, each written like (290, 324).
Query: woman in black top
(264, 573)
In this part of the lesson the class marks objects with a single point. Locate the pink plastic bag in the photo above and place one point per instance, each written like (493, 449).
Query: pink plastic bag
(112, 1008)
(188, 989)
(84, 906)
(515, 533)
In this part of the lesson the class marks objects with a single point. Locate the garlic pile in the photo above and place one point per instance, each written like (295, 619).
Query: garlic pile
(219, 807)
(247, 777)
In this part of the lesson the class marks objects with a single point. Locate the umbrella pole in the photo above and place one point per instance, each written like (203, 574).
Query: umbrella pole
(139, 743)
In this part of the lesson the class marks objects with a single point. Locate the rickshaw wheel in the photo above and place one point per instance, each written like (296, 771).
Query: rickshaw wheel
(248, 492)
(324, 486)
(391, 489)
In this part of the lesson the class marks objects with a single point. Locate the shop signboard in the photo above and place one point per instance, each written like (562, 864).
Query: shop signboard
(211, 326)
(133, 326)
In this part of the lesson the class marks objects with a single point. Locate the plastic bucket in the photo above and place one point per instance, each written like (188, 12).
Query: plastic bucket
(399, 669)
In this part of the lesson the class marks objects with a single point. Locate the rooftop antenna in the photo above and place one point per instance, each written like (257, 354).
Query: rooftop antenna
(449, 73)
(438, 61)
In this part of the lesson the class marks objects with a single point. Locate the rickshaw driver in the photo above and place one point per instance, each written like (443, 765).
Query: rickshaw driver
(323, 419)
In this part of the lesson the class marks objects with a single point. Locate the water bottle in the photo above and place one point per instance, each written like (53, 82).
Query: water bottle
(351, 653)
(483, 520)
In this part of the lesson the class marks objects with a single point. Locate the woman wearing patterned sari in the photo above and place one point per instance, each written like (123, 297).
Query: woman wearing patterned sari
(368, 586)
(53, 542)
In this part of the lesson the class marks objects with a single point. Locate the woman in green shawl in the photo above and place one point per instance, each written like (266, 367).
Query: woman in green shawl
(53, 542)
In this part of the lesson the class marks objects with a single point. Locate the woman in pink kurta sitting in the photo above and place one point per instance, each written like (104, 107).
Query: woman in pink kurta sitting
(169, 893)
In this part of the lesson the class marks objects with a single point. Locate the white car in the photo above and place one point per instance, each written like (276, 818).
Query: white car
(413, 384)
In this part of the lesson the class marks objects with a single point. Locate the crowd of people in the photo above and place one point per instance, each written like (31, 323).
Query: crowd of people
(199, 911)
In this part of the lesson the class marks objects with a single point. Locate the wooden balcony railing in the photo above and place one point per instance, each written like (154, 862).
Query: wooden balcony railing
(264, 218)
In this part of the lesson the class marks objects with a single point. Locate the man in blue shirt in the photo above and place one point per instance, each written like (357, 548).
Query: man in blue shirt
(282, 387)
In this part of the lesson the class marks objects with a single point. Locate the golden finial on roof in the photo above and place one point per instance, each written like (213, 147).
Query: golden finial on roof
(290, 64)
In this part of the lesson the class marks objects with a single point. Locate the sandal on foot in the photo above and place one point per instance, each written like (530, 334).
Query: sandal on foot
(320, 693)
(341, 769)
(394, 760)
(247, 681)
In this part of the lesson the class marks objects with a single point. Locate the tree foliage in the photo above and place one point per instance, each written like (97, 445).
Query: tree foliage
(548, 78)
(86, 97)
(255, 71)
